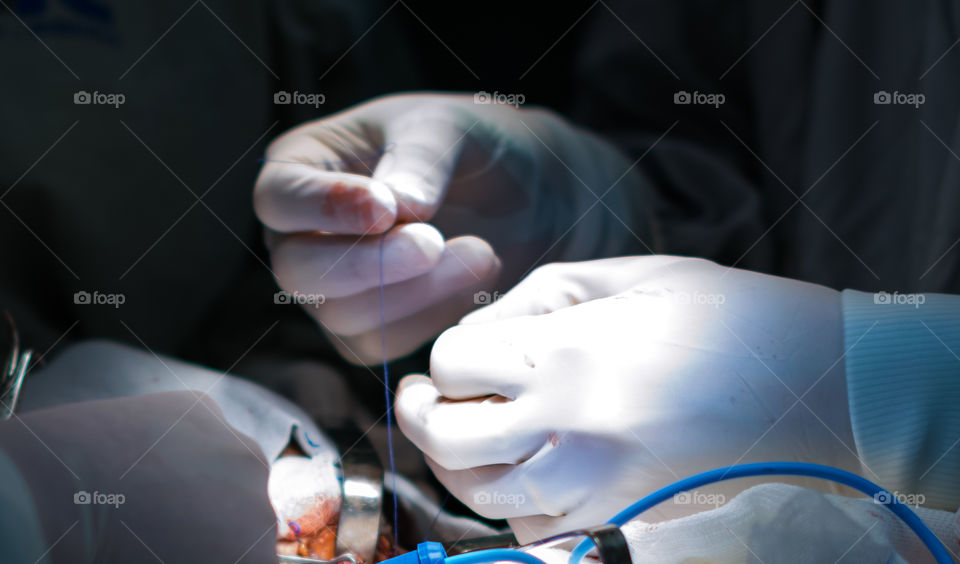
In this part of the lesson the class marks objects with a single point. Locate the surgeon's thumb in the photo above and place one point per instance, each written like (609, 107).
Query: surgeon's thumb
(422, 147)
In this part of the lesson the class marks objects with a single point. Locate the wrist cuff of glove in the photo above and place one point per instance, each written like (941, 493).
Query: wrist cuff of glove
(903, 383)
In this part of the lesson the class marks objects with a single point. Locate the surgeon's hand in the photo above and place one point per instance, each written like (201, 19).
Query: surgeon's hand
(591, 384)
(458, 194)
(159, 477)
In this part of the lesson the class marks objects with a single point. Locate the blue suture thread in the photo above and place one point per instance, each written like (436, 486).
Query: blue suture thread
(933, 544)
(386, 394)
(386, 149)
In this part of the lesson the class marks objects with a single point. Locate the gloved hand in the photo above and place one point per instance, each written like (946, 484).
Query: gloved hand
(154, 477)
(589, 385)
(457, 193)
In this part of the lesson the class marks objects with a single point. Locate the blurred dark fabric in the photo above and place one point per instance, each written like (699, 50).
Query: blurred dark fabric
(152, 200)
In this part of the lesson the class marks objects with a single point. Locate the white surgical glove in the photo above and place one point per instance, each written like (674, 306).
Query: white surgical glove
(591, 384)
(458, 193)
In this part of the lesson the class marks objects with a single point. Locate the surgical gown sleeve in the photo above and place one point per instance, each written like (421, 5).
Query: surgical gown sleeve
(903, 381)
(21, 538)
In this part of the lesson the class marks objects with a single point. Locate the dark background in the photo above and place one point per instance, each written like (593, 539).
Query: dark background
(152, 200)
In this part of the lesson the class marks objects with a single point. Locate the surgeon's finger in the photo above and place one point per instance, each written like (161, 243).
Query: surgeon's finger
(491, 491)
(479, 360)
(425, 145)
(291, 197)
(536, 487)
(539, 485)
(465, 434)
(405, 335)
(465, 262)
(336, 266)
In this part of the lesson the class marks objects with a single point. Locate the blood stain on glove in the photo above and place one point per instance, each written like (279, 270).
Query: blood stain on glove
(359, 202)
